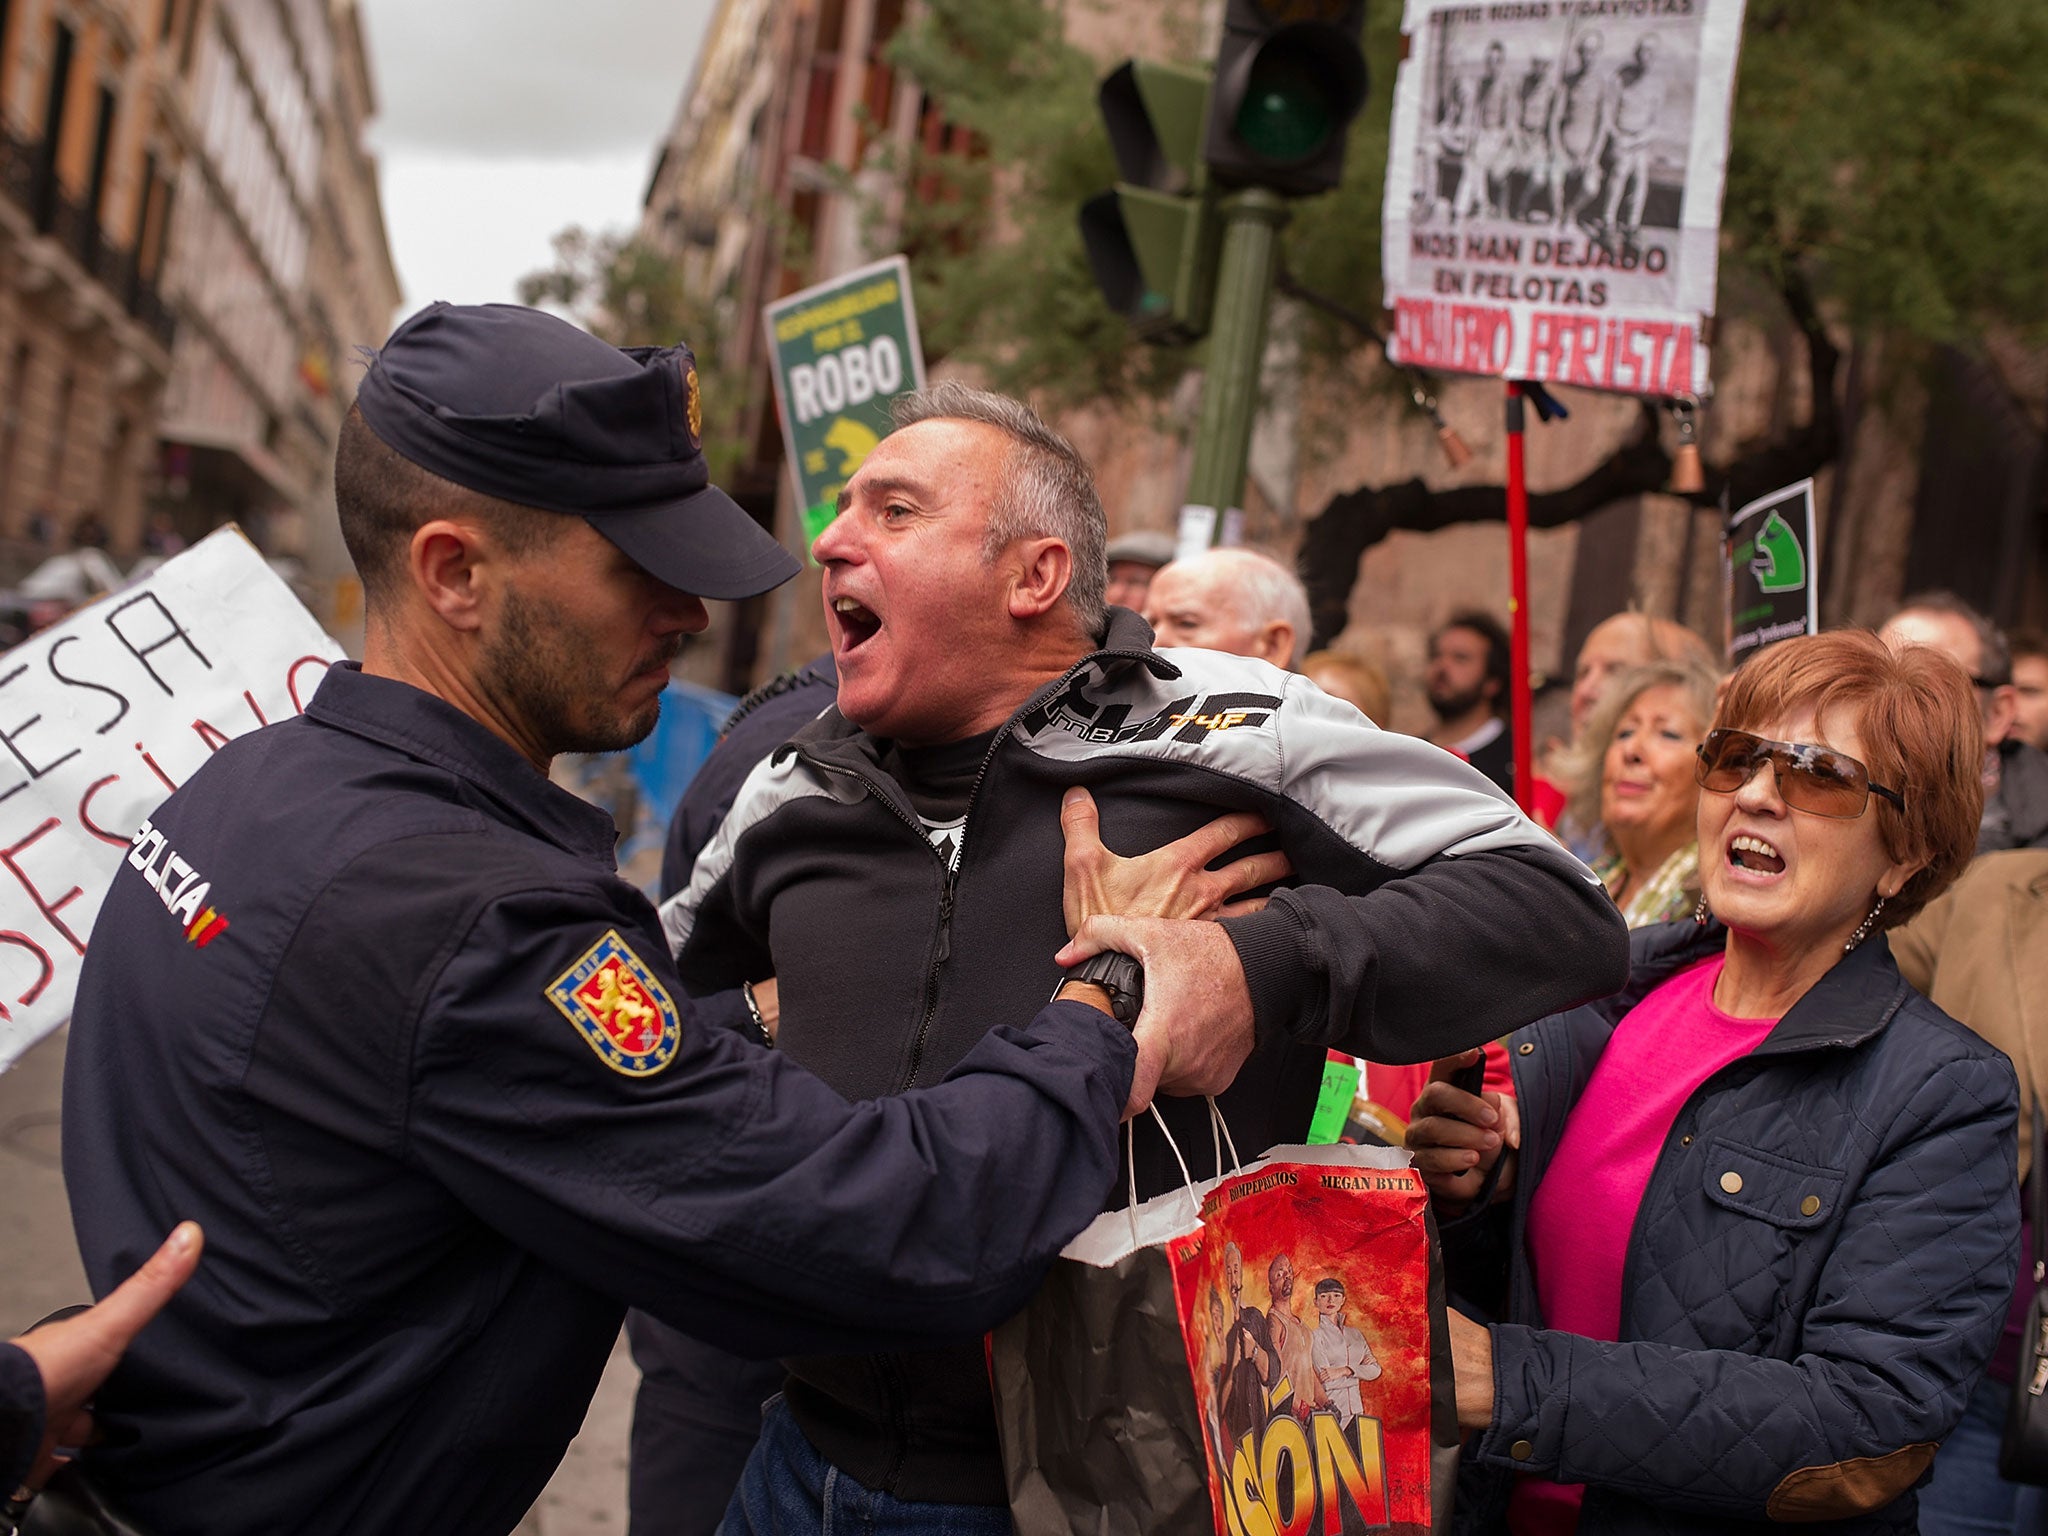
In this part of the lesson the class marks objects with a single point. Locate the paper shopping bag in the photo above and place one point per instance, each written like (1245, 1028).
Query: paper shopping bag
(1263, 1354)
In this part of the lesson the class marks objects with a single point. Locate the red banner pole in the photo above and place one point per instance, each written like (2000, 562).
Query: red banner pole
(1520, 703)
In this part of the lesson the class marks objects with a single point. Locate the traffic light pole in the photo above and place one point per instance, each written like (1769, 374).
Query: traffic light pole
(1237, 345)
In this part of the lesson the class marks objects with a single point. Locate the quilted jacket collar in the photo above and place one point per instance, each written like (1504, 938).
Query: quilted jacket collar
(1854, 1001)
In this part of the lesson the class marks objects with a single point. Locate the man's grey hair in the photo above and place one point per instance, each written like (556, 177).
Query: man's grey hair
(1994, 656)
(1048, 490)
(1265, 591)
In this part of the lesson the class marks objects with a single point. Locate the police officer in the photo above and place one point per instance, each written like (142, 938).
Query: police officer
(368, 999)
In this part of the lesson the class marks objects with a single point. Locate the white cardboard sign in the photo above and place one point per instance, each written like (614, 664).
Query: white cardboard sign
(1553, 193)
(101, 717)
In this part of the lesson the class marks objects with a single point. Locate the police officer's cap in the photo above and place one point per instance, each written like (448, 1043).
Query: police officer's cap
(517, 404)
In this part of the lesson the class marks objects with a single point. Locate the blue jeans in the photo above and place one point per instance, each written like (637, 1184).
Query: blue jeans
(695, 1420)
(788, 1489)
(1966, 1496)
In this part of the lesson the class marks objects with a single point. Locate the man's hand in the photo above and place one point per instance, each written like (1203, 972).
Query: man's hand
(1472, 1371)
(1457, 1136)
(1173, 881)
(77, 1354)
(1196, 1027)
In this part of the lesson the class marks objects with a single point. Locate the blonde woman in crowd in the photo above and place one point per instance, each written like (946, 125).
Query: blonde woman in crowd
(1632, 778)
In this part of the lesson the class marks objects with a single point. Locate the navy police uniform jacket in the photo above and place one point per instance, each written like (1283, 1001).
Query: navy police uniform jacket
(369, 1001)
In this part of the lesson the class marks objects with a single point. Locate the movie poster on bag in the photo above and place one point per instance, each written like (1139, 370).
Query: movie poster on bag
(1305, 1310)
(1553, 191)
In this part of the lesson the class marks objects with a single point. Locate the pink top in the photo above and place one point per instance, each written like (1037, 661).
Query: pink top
(1584, 1212)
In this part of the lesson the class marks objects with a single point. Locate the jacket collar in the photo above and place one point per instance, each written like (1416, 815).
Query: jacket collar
(1851, 1003)
(417, 723)
(833, 741)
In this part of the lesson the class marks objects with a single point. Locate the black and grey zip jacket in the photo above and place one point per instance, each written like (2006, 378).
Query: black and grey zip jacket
(1425, 914)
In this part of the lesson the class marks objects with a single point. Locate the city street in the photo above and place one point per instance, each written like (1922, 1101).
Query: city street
(39, 1272)
(594, 599)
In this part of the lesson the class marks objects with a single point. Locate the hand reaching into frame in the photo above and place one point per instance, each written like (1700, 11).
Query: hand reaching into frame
(1173, 881)
(77, 1353)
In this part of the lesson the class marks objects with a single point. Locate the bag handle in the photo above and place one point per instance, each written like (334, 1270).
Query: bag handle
(1219, 1132)
(1131, 1160)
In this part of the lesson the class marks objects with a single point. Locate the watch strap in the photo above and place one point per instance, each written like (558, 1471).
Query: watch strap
(1118, 974)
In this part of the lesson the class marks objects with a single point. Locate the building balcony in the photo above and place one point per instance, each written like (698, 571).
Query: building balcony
(28, 180)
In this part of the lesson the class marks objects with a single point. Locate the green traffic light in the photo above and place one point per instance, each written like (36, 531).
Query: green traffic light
(1285, 114)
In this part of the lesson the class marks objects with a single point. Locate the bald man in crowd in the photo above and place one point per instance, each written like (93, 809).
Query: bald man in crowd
(1234, 600)
(1610, 648)
(1627, 640)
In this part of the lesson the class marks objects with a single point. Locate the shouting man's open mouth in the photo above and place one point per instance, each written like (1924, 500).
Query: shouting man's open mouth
(854, 622)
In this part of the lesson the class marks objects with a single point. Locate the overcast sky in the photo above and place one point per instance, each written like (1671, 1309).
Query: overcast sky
(501, 121)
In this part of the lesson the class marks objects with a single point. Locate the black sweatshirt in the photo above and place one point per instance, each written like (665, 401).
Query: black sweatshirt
(1425, 915)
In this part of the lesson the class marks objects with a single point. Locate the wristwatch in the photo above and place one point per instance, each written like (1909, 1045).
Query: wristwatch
(1118, 974)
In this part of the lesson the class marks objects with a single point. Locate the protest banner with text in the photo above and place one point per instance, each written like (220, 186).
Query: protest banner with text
(1553, 192)
(103, 716)
(842, 352)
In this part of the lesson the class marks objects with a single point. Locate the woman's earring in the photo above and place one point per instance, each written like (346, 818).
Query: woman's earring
(1700, 914)
(1863, 929)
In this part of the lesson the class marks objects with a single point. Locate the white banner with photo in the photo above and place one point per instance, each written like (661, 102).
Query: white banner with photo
(1553, 195)
(101, 717)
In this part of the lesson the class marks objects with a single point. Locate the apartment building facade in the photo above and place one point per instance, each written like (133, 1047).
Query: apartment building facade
(89, 167)
(279, 266)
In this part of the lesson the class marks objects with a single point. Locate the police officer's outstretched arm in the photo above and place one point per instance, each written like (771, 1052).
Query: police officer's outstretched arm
(564, 1092)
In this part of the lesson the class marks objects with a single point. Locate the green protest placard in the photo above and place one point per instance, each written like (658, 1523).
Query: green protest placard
(1341, 1077)
(842, 351)
(1771, 571)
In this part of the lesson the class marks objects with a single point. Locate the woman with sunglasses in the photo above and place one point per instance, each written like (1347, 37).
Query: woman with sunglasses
(1748, 1229)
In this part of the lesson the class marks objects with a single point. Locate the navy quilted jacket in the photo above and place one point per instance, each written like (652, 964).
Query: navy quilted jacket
(1795, 1343)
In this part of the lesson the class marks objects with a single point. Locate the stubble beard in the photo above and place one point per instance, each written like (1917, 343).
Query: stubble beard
(545, 665)
(1449, 706)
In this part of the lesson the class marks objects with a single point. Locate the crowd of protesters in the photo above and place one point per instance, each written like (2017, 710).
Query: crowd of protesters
(1730, 1218)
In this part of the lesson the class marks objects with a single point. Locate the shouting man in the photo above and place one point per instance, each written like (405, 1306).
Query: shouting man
(894, 850)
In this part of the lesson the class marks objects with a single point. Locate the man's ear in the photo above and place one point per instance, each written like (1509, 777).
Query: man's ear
(1276, 644)
(2001, 714)
(1043, 569)
(446, 561)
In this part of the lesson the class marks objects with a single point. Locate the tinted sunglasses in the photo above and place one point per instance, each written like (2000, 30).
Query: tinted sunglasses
(1817, 780)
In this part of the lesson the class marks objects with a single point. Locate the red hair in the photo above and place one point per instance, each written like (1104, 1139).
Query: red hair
(1922, 735)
